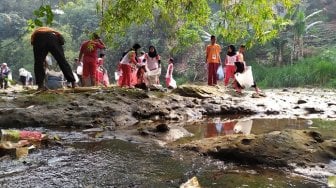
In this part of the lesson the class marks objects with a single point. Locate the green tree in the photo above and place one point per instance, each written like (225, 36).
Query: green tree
(253, 20)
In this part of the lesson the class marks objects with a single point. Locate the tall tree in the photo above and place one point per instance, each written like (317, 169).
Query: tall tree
(252, 20)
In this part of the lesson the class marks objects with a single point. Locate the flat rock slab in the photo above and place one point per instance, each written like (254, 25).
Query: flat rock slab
(279, 148)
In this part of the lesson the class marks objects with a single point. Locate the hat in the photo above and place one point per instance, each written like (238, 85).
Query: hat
(4, 64)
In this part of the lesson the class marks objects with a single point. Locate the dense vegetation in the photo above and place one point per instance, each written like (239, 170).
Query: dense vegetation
(276, 35)
(314, 71)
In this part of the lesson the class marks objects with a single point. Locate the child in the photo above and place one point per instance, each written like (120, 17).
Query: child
(170, 82)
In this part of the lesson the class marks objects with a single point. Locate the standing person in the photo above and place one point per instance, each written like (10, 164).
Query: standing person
(213, 60)
(129, 59)
(100, 69)
(29, 78)
(153, 60)
(44, 40)
(79, 70)
(23, 73)
(4, 72)
(230, 67)
(88, 55)
(241, 67)
(169, 74)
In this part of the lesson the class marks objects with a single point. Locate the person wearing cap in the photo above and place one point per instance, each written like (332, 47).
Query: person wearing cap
(45, 40)
(89, 55)
(4, 70)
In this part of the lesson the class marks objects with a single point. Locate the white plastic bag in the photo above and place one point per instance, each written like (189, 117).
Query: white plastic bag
(220, 73)
(245, 79)
(116, 76)
(173, 83)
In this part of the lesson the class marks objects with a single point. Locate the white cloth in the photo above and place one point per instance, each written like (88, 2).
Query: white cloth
(245, 79)
(170, 69)
(23, 72)
(79, 69)
(126, 59)
(152, 62)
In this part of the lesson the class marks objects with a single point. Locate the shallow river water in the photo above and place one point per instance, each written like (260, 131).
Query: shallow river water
(98, 161)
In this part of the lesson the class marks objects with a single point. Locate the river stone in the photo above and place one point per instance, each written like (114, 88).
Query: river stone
(162, 128)
(279, 148)
(301, 101)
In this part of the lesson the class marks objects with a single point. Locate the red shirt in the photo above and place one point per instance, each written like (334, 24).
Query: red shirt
(89, 49)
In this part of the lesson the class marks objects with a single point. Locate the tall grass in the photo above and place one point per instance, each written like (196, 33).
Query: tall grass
(318, 71)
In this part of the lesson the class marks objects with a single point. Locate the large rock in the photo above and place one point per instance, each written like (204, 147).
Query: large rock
(273, 149)
(201, 92)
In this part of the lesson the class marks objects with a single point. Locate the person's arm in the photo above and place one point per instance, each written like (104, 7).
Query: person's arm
(159, 60)
(219, 51)
(100, 44)
(80, 55)
(132, 58)
(170, 70)
(206, 55)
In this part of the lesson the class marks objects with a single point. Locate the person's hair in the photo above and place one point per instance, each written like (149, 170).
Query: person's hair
(76, 59)
(242, 46)
(95, 36)
(101, 55)
(152, 54)
(136, 46)
(212, 37)
(171, 60)
(233, 50)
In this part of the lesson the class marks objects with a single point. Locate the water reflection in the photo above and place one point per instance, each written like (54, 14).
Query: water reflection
(218, 128)
(221, 127)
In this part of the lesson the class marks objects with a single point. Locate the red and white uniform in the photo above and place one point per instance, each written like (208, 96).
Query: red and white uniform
(230, 68)
(169, 74)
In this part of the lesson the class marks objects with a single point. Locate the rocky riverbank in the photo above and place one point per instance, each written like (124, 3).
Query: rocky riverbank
(114, 110)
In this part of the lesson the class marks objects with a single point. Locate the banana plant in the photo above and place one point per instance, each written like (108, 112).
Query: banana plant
(300, 28)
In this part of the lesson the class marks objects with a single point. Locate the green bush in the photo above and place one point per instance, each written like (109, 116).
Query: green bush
(315, 71)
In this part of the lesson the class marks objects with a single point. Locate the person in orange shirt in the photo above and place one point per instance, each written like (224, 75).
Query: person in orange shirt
(44, 40)
(213, 60)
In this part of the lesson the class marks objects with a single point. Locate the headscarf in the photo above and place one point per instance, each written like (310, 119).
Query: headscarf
(152, 54)
(233, 51)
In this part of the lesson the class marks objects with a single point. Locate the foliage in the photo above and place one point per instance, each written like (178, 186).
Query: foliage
(43, 17)
(243, 19)
(10, 25)
(316, 71)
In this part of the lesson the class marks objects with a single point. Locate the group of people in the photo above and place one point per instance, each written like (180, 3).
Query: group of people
(234, 63)
(144, 70)
(135, 70)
